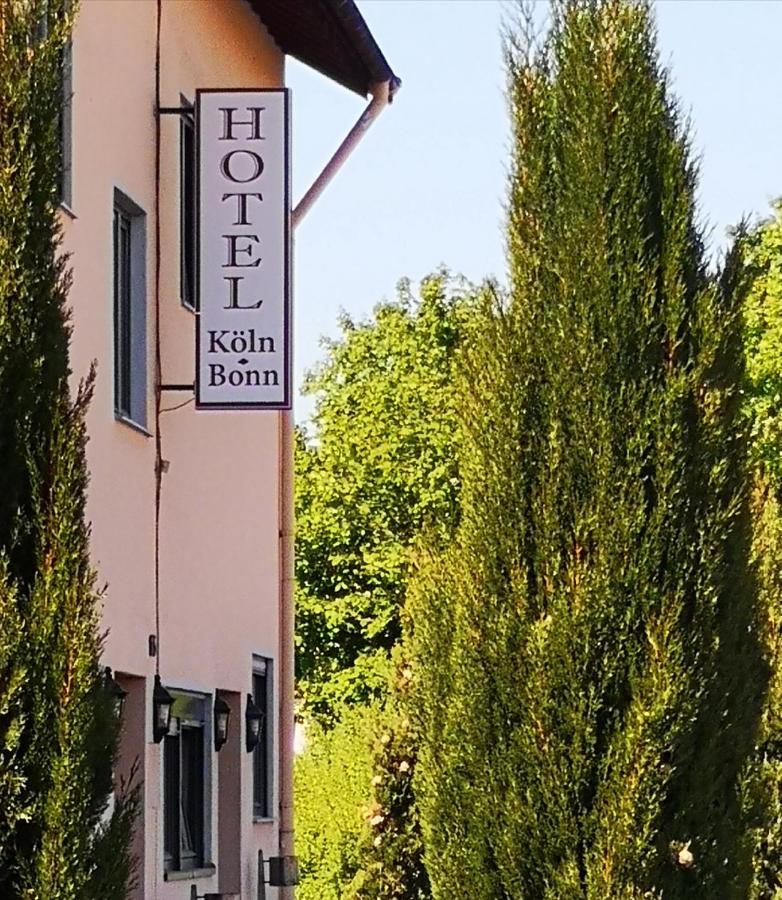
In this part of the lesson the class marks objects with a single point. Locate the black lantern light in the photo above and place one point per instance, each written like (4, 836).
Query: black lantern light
(253, 718)
(222, 713)
(162, 702)
(115, 690)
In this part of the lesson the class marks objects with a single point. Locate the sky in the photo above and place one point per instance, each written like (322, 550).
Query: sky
(426, 185)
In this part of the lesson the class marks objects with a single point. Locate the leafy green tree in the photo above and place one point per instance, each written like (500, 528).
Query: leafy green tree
(589, 670)
(379, 467)
(58, 730)
(763, 336)
(762, 248)
(379, 464)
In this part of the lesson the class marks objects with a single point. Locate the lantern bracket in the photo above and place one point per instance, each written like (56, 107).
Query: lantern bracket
(194, 895)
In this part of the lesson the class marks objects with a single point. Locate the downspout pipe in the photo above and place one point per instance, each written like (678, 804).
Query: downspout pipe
(382, 94)
(287, 638)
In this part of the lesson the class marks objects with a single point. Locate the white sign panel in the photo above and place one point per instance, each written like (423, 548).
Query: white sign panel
(243, 334)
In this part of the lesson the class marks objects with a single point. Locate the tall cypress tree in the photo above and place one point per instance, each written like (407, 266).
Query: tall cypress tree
(589, 679)
(58, 730)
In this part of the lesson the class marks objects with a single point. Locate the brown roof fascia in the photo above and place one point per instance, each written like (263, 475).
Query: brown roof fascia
(330, 36)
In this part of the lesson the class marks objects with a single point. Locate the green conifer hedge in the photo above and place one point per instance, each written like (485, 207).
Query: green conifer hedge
(589, 676)
(58, 729)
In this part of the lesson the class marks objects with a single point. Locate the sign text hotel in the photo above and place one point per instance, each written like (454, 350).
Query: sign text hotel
(243, 343)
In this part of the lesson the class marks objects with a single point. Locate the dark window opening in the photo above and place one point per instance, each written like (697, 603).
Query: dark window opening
(171, 800)
(40, 34)
(184, 790)
(122, 312)
(262, 753)
(65, 124)
(187, 211)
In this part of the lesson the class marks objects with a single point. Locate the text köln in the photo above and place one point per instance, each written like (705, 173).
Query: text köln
(240, 342)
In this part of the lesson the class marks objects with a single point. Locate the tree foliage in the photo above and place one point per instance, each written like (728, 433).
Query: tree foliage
(762, 249)
(762, 788)
(333, 787)
(58, 730)
(358, 834)
(590, 674)
(391, 851)
(763, 336)
(378, 465)
(33, 279)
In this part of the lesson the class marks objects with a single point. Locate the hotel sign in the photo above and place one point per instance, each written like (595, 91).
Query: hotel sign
(243, 331)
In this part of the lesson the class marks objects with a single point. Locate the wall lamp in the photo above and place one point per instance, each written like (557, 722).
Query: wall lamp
(114, 690)
(222, 714)
(253, 718)
(162, 702)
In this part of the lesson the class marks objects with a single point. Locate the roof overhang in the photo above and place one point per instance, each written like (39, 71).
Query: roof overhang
(330, 36)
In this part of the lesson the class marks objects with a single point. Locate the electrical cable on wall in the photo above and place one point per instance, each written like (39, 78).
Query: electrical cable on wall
(184, 403)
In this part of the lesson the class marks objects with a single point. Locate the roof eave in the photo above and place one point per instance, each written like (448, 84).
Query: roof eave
(331, 37)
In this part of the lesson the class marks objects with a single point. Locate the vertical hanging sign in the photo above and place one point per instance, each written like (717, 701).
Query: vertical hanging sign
(243, 330)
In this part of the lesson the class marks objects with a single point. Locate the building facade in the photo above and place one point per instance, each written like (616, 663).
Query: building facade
(189, 509)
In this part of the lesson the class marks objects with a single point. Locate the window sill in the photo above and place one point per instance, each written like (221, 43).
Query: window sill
(206, 871)
(131, 424)
(188, 306)
(67, 210)
(264, 820)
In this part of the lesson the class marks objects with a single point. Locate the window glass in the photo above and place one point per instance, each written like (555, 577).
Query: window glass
(64, 128)
(130, 315)
(171, 800)
(192, 796)
(262, 755)
(65, 125)
(184, 785)
(122, 312)
(187, 208)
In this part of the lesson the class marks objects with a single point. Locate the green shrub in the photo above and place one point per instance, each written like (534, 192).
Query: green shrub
(391, 846)
(333, 789)
(763, 778)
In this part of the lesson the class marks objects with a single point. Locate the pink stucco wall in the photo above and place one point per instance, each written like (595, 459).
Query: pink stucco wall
(219, 549)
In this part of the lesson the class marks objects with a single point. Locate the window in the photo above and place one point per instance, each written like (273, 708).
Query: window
(40, 34)
(130, 349)
(184, 785)
(122, 311)
(65, 127)
(187, 207)
(262, 755)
